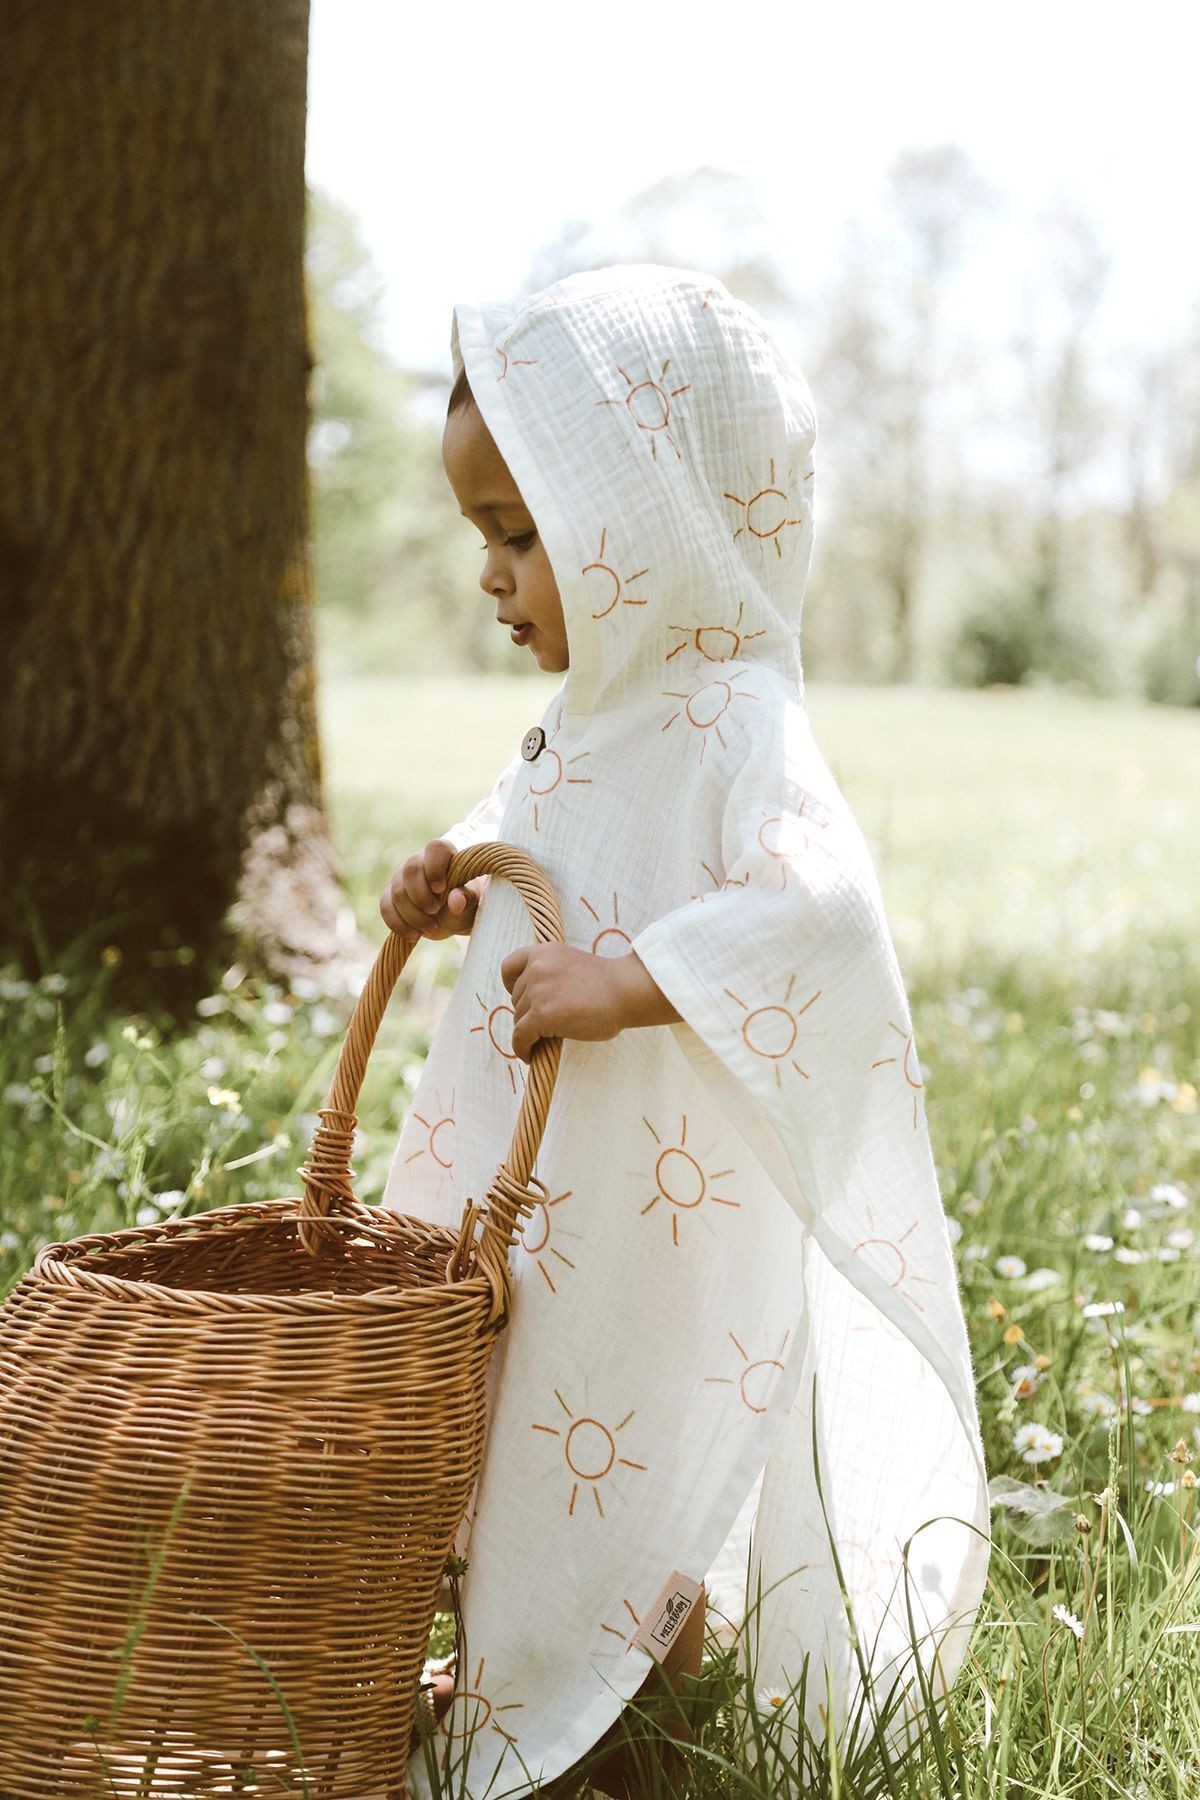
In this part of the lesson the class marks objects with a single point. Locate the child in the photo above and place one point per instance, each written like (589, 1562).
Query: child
(741, 1267)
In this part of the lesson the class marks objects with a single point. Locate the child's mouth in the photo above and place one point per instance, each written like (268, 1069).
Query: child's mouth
(520, 633)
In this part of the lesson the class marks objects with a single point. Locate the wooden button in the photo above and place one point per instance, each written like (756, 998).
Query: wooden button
(533, 743)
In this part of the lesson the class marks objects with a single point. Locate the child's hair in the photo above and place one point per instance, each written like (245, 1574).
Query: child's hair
(460, 393)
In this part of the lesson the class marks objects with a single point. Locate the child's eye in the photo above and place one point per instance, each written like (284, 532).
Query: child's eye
(521, 541)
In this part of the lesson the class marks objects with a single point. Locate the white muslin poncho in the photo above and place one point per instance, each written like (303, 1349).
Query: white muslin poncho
(742, 1203)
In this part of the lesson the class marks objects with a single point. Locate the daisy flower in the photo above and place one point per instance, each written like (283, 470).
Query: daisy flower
(1068, 1619)
(1036, 1444)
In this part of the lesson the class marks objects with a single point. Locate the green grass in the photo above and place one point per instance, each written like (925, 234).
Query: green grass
(1039, 861)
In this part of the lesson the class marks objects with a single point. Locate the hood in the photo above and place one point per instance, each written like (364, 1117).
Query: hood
(663, 441)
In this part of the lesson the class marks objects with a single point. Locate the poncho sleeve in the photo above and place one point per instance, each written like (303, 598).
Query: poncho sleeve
(786, 979)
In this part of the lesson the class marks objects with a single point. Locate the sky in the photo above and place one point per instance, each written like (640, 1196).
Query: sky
(463, 137)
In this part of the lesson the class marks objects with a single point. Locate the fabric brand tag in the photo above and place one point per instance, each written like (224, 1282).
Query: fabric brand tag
(660, 1626)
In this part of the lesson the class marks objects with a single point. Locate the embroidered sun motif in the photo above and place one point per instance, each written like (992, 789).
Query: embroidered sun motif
(508, 362)
(649, 405)
(549, 780)
(716, 643)
(771, 1031)
(757, 1380)
(625, 1637)
(439, 1137)
(764, 514)
(680, 1178)
(892, 1264)
(535, 1237)
(610, 940)
(498, 1022)
(706, 706)
(590, 1450)
(907, 1063)
(620, 583)
(470, 1712)
(718, 885)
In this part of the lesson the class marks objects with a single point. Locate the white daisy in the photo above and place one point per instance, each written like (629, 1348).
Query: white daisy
(1067, 1618)
(1036, 1444)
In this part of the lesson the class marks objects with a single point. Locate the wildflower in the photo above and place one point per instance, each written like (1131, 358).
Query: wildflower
(1082, 1524)
(1161, 1489)
(213, 1067)
(1010, 1267)
(974, 1252)
(1025, 1380)
(211, 1004)
(226, 1097)
(996, 1309)
(1095, 1240)
(1188, 1478)
(1042, 1278)
(1167, 1253)
(1169, 1194)
(322, 1023)
(770, 1700)
(1125, 1254)
(96, 1054)
(1132, 1218)
(1152, 1086)
(1100, 1404)
(277, 1012)
(1181, 1239)
(1013, 1334)
(1068, 1619)
(1142, 1407)
(1190, 1403)
(1036, 1444)
(1103, 1309)
(1181, 1453)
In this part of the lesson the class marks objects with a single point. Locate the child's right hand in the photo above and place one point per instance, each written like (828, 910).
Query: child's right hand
(415, 902)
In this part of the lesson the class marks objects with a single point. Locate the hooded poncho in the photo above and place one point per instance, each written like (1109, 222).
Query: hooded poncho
(742, 1257)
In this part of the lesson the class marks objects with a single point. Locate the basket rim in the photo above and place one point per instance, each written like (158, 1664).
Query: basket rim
(64, 1265)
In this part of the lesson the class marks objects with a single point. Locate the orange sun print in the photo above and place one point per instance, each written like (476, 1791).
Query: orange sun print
(470, 1712)
(771, 1031)
(724, 642)
(439, 1135)
(706, 706)
(508, 362)
(757, 1380)
(607, 601)
(907, 1062)
(893, 1264)
(649, 405)
(590, 1449)
(718, 886)
(610, 940)
(535, 1237)
(765, 512)
(680, 1180)
(549, 780)
(497, 1025)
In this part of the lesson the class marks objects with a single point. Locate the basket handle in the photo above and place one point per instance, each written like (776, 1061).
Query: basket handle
(327, 1175)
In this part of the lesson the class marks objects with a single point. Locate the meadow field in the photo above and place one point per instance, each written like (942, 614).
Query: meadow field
(1040, 860)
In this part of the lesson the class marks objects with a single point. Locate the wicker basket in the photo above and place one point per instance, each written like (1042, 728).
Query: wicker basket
(234, 1453)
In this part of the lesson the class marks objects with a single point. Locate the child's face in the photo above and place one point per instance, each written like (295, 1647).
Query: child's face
(516, 571)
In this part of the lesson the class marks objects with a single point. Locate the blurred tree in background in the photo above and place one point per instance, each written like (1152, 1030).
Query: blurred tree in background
(161, 787)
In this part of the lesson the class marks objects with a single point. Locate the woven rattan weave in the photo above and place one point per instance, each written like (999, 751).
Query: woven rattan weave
(234, 1452)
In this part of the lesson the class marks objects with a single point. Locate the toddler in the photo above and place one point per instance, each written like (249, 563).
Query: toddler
(736, 1309)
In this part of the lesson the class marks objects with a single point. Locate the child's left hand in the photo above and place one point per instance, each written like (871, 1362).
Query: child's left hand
(560, 992)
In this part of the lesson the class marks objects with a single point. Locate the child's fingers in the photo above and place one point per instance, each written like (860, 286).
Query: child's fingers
(438, 854)
(399, 913)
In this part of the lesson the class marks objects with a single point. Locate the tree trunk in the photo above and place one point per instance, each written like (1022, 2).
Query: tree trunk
(158, 739)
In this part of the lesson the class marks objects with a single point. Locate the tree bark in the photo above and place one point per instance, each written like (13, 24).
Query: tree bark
(159, 757)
